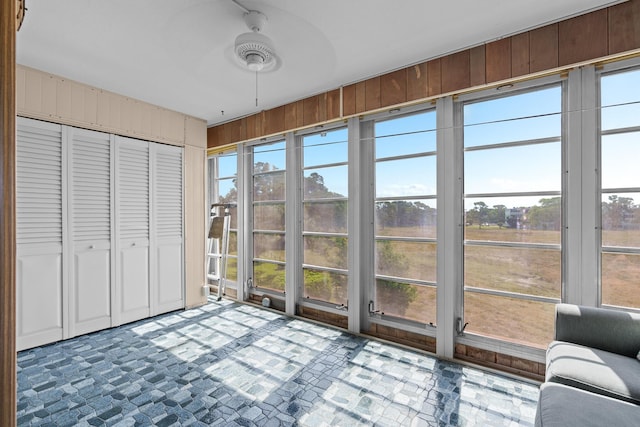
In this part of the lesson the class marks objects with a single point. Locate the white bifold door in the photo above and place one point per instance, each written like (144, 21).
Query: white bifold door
(99, 231)
(40, 208)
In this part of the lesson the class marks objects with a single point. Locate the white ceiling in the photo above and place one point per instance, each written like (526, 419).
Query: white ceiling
(178, 53)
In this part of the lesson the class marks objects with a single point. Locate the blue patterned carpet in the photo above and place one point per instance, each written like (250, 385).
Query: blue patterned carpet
(231, 364)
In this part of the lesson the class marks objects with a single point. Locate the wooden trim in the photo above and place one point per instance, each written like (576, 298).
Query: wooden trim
(8, 361)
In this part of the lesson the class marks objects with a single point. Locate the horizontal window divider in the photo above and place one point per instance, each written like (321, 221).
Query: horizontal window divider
(515, 119)
(268, 202)
(408, 239)
(281, 232)
(621, 190)
(415, 132)
(426, 329)
(260, 291)
(317, 304)
(621, 250)
(618, 131)
(223, 178)
(403, 198)
(269, 261)
(323, 234)
(407, 280)
(508, 294)
(325, 165)
(342, 271)
(271, 172)
(326, 200)
(514, 194)
(524, 245)
(514, 143)
(407, 156)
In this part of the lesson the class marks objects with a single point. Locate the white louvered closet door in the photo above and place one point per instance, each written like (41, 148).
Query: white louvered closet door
(167, 229)
(90, 224)
(40, 192)
(131, 298)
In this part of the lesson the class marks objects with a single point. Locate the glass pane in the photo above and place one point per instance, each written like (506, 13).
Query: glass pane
(234, 217)
(232, 272)
(228, 190)
(406, 218)
(268, 275)
(535, 103)
(227, 165)
(520, 321)
(322, 183)
(407, 301)
(620, 154)
(618, 89)
(522, 270)
(325, 286)
(268, 246)
(409, 260)
(269, 186)
(328, 217)
(620, 284)
(621, 220)
(413, 123)
(325, 251)
(325, 147)
(406, 177)
(513, 130)
(514, 219)
(513, 169)
(268, 157)
(268, 216)
(233, 243)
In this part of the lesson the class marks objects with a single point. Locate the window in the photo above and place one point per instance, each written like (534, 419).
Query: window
(513, 215)
(405, 217)
(324, 213)
(268, 208)
(223, 188)
(620, 188)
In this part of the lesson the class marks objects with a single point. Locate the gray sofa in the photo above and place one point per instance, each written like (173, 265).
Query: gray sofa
(593, 371)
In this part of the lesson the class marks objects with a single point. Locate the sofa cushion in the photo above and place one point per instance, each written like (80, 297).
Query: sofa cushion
(594, 370)
(563, 406)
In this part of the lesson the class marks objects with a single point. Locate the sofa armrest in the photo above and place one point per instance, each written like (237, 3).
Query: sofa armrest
(604, 329)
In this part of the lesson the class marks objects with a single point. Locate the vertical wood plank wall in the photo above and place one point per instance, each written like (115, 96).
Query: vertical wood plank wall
(610, 31)
(7, 215)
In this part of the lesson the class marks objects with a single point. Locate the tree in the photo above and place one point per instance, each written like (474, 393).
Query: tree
(546, 215)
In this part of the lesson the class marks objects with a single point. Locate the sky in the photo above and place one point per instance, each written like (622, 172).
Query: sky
(521, 117)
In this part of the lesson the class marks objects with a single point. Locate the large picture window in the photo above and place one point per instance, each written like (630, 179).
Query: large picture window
(405, 218)
(513, 215)
(620, 188)
(268, 208)
(324, 214)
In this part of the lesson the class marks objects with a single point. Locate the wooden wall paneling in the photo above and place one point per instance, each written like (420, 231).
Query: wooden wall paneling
(456, 71)
(33, 92)
(543, 48)
(84, 104)
(624, 27)
(213, 139)
(520, 54)
(498, 60)
(349, 100)
(251, 127)
(49, 96)
(291, 115)
(194, 224)
(135, 119)
(434, 77)
(62, 97)
(583, 38)
(333, 104)
(310, 113)
(8, 380)
(195, 132)
(360, 98)
(275, 121)
(477, 66)
(393, 88)
(372, 94)
(145, 119)
(322, 107)
(417, 87)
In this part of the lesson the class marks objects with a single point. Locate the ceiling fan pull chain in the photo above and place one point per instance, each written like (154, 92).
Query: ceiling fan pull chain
(256, 88)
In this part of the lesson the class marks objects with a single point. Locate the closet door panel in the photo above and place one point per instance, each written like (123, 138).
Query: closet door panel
(90, 224)
(40, 191)
(132, 230)
(167, 228)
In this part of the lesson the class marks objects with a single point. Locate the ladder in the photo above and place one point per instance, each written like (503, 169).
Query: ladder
(218, 245)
